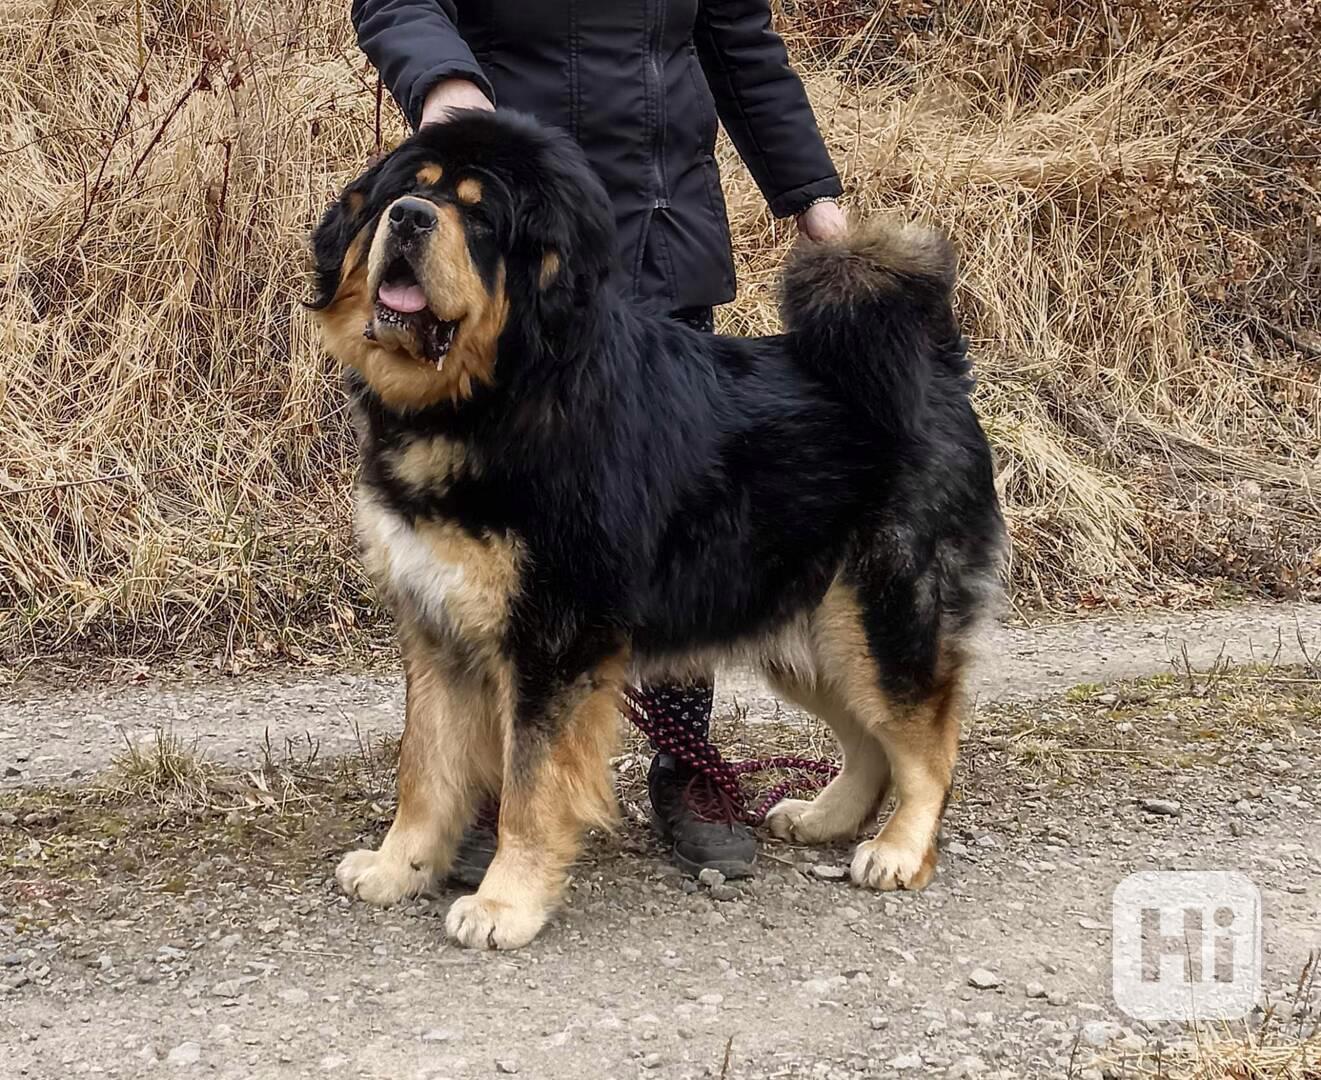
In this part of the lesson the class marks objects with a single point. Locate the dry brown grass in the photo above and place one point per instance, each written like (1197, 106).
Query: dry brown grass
(1136, 197)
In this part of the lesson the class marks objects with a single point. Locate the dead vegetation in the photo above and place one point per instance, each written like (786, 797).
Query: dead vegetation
(1134, 188)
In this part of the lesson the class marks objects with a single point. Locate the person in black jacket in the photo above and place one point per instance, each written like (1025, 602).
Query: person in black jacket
(640, 85)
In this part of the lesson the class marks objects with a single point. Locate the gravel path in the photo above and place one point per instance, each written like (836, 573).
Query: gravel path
(54, 737)
(1000, 969)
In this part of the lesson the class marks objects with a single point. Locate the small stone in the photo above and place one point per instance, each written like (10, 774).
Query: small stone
(294, 996)
(231, 988)
(1162, 807)
(824, 872)
(879, 1022)
(41, 817)
(333, 1061)
(821, 988)
(507, 1066)
(1236, 828)
(710, 877)
(906, 1061)
(1035, 990)
(1099, 1033)
(6, 818)
(188, 1053)
(1107, 699)
(1057, 998)
(12, 771)
(147, 975)
(982, 979)
(12, 959)
(724, 893)
(711, 999)
(652, 1060)
(437, 1035)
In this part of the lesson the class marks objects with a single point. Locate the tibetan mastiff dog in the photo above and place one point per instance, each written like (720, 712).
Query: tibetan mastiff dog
(561, 493)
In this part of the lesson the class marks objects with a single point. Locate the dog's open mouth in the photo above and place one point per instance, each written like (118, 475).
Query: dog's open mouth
(401, 306)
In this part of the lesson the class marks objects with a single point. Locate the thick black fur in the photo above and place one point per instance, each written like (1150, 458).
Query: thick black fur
(676, 490)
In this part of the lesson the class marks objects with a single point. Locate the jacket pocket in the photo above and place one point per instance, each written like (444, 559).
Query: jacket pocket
(703, 101)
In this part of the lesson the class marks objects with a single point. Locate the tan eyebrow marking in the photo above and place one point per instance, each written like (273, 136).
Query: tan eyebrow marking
(469, 191)
(430, 174)
(550, 266)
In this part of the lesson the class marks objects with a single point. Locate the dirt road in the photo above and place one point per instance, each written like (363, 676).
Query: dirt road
(133, 945)
(66, 732)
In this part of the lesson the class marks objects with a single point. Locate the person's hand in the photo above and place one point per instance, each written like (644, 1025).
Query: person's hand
(823, 222)
(450, 94)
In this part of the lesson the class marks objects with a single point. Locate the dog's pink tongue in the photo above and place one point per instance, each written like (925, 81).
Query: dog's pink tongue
(405, 299)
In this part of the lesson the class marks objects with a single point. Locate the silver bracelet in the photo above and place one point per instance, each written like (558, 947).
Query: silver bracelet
(816, 202)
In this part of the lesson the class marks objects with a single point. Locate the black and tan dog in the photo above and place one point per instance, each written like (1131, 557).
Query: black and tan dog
(560, 493)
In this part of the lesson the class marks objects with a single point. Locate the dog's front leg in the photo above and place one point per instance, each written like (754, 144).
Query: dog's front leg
(451, 752)
(556, 783)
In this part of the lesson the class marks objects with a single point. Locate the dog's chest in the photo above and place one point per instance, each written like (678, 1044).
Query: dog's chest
(433, 571)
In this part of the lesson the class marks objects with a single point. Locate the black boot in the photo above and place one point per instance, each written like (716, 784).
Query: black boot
(695, 818)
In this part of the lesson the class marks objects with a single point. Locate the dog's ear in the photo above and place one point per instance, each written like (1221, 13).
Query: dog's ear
(341, 222)
(566, 228)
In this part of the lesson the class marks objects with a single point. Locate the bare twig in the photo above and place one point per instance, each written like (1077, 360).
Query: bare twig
(107, 478)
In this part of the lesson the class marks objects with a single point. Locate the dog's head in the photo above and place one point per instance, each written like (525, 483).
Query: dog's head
(471, 229)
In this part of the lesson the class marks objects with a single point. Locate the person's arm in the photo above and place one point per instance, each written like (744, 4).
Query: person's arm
(416, 47)
(764, 108)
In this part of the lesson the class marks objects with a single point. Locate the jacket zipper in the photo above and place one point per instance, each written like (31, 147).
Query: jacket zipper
(662, 196)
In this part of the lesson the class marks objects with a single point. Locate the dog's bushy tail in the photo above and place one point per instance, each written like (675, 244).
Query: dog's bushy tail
(872, 314)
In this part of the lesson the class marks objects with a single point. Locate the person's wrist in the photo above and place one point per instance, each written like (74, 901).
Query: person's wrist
(822, 220)
(819, 201)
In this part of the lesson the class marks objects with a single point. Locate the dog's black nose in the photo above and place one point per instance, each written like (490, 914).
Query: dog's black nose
(409, 215)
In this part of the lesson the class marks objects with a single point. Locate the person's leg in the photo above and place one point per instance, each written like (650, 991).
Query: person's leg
(689, 813)
(687, 807)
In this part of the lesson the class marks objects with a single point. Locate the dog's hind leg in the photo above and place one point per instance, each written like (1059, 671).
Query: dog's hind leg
(840, 810)
(449, 754)
(556, 783)
(917, 730)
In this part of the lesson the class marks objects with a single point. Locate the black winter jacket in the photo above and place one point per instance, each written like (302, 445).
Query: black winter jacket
(639, 84)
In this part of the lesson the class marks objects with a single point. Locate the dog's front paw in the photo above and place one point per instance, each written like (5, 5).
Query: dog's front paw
(490, 924)
(884, 865)
(375, 877)
(801, 821)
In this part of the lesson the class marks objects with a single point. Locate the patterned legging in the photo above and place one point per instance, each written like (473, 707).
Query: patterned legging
(687, 707)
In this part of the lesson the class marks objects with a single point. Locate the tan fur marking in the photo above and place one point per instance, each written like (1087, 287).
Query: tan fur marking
(854, 795)
(468, 190)
(355, 201)
(450, 754)
(920, 743)
(550, 268)
(426, 464)
(429, 174)
(439, 576)
(543, 812)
